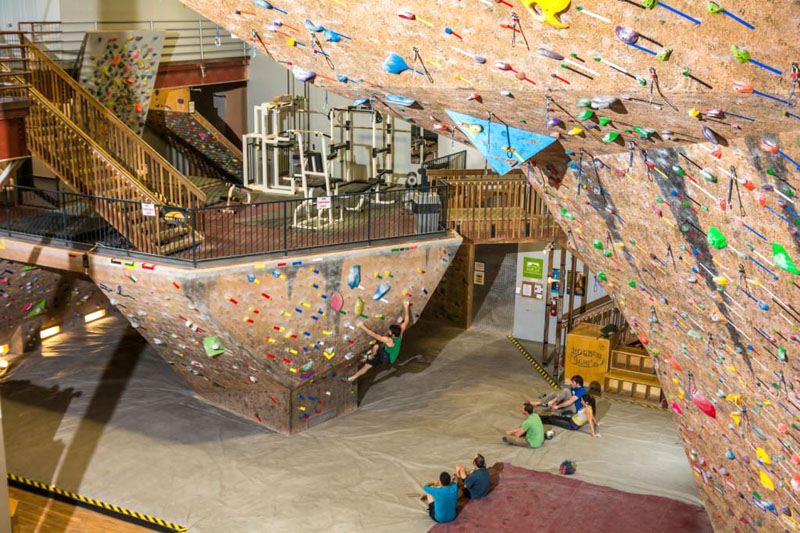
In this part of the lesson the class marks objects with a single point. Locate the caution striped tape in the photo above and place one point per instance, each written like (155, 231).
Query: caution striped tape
(547, 377)
(649, 405)
(43, 489)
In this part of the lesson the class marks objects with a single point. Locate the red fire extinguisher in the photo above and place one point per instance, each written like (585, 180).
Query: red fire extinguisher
(554, 307)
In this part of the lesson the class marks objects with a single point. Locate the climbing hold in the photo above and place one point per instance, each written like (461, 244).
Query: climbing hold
(632, 283)
(626, 35)
(401, 101)
(704, 405)
(549, 11)
(566, 214)
(677, 408)
(395, 64)
(782, 259)
(766, 481)
(602, 276)
(708, 176)
(664, 54)
(710, 135)
(586, 114)
(604, 102)
(716, 238)
(358, 307)
(337, 301)
(304, 75)
(213, 346)
(553, 122)
(381, 291)
(354, 276)
(604, 121)
(575, 131)
(740, 54)
(610, 137)
(597, 243)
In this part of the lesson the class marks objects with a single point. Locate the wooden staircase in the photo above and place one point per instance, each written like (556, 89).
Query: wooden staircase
(631, 375)
(95, 153)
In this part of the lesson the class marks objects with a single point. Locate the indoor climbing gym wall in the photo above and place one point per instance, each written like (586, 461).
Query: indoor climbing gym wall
(33, 299)
(119, 69)
(271, 341)
(665, 138)
(449, 303)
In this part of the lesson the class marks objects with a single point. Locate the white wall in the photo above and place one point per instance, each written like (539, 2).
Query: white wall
(125, 10)
(529, 313)
(449, 146)
(13, 11)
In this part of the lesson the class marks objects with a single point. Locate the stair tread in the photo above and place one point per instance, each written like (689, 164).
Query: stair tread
(178, 245)
(633, 376)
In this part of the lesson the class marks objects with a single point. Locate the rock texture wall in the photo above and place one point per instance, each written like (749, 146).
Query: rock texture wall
(272, 341)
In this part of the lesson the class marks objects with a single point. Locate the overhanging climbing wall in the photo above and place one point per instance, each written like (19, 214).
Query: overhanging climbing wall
(271, 341)
(675, 175)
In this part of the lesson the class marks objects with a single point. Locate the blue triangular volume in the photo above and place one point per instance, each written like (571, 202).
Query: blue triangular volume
(505, 148)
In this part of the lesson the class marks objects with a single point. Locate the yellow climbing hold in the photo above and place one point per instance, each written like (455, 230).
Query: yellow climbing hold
(766, 481)
(549, 11)
(763, 456)
(575, 131)
(721, 280)
(737, 418)
(694, 112)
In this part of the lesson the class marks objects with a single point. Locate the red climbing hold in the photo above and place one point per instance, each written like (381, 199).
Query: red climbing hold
(704, 405)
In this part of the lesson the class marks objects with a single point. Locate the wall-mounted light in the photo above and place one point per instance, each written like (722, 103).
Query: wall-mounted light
(4, 364)
(3, 349)
(49, 332)
(91, 317)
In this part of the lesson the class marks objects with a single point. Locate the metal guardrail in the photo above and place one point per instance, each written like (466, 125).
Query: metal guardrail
(456, 161)
(185, 40)
(230, 231)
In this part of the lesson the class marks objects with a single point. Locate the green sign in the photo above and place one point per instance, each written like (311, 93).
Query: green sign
(532, 268)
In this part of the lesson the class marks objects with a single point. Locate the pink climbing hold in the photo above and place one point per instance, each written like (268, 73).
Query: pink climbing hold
(337, 301)
(677, 408)
(704, 405)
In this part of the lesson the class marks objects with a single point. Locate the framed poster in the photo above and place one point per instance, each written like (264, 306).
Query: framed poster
(532, 267)
(554, 283)
(478, 277)
(480, 266)
(538, 291)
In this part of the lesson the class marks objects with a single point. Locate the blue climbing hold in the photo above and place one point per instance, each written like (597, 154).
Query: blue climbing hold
(395, 64)
(332, 37)
(402, 101)
(316, 28)
(354, 276)
(381, 291)
(504, 147)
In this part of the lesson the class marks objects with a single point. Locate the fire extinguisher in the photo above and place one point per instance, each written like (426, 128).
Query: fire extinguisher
(554, 307)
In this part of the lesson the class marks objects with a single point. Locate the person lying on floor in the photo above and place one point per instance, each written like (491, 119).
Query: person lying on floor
(442, 498)
(387, 348)
(530, 433)
(578, 420)
(567, 401)
(476, 483)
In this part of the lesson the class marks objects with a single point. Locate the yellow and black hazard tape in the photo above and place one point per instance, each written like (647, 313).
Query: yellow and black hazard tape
(649, 405)
(547, 377)
(49, 491)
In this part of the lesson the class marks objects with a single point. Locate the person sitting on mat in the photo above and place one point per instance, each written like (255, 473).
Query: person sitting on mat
(567, 401)
(476, 483)
(530, 433)
(578, 420)
(387, 348)
(442, 498)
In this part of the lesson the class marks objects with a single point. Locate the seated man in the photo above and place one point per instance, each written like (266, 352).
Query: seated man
(530, 433)
(442, 498)
(578, 420)
(476, 483)
(387, 348)
(567, 401)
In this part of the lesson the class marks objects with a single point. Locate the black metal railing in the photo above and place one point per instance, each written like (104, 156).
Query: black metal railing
(218, 232)
(456, 161)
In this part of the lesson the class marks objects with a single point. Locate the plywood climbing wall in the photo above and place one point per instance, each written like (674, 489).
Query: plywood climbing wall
(119, 69)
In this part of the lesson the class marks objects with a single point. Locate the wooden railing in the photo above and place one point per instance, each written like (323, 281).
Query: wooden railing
(142, 162)
(86, 168)
(14, 72)
(484, 207)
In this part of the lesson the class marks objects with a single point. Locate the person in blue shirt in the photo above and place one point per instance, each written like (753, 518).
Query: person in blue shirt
(567, 401)
(442, 498)
(476, 483)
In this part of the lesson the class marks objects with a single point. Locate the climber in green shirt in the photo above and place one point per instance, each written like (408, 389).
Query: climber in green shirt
(387, 348)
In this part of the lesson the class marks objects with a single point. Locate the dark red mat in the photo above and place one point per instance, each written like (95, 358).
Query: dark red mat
(527, 500)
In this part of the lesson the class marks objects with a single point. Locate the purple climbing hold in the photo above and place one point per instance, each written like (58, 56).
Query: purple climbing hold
(301, 74)
(553, 122)
(626, 35)
(710, 135)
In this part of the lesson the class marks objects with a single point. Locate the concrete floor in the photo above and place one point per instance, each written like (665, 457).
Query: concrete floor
(102, 415)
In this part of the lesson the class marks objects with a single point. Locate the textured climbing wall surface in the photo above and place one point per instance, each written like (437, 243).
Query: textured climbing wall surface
(449, 301)
(703, 264)
(119, 68)
(186, 128)
(475, 48)
(32, 298)
(273, 340)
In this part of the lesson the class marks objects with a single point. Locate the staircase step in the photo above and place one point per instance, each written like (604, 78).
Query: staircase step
(181, 244)
(633, 377)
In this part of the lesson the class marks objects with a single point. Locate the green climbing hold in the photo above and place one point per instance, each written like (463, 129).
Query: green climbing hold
(704, 208)
(604, 121)
(771, 172)
(659, 200)
(716, 238)
(565, 214)
(782, 259)
(683, 247)
(664, 54)
(213, 346)
(693, 334)
(597, 243)
(632, 283)
(644, 132)
(708, 176)
(781, 353)
(713, 8)
(610, 137)
(586, 114)
(789, 193)
(37, 309)
(684, 228)
(678, 170)
(607, 253)
(740, 54)
(523, 121)
(602, 276)
(650, 4)
(584, 102)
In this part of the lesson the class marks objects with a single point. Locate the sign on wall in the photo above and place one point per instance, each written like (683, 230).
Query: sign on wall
(478, 277)
(532, 268)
